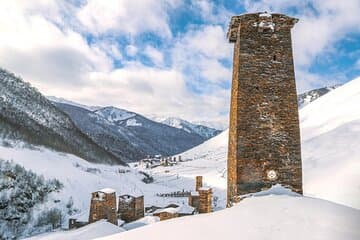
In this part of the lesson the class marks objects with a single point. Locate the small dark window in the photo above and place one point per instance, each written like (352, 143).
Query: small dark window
(274, 58)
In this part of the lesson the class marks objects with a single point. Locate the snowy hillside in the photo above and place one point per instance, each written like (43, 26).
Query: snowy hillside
(274, 214)
(330, 131)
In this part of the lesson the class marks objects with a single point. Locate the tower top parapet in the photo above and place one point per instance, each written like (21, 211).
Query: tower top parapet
(261, 22)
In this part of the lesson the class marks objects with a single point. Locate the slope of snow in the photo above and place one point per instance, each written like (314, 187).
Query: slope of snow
(330, 131)
(94, 230)
(334, 109)
(147, 220)
(272, 216)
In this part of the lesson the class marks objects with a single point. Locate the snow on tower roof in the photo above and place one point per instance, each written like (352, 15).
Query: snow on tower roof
(265, 14)
(204, 189)
(107, 190)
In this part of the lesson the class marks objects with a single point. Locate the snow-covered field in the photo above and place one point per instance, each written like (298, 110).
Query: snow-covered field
(275, 215)
(94, 230)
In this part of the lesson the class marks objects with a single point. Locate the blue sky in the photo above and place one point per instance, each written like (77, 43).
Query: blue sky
(165, 57)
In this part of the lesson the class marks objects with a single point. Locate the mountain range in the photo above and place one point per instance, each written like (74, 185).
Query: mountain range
(128, 135)
(27, 116)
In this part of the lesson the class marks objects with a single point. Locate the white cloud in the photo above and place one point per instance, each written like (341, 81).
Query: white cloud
(212, 13)
(155, 55)
(126, 16)
(52, 58)
(201, 52)
(150, 90)
(131, 50)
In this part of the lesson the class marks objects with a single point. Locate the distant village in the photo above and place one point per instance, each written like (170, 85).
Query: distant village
(130, 207)
(159, 160)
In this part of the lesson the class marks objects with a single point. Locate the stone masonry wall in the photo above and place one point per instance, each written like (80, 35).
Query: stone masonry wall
(131, 208)
(199, 183)
(205, 200)
(264, 136)
(103, 206)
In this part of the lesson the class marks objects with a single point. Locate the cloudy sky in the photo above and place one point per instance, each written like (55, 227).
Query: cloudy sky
(164, 57)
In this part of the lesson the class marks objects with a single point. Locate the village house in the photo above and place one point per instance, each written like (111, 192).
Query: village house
(166, 213)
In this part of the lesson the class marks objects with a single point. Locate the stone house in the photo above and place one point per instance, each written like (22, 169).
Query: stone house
(166, 213)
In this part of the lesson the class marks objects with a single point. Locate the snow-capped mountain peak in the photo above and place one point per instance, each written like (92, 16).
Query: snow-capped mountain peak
(310, 96)
(203, 131)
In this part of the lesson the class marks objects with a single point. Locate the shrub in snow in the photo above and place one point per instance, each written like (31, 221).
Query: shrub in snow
(22, 191)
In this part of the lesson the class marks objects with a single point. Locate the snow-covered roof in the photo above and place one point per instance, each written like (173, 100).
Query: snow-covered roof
(204, 189)
(168, 210)
(186, 209)
(81, 217)
(132, 195)
(107, 190)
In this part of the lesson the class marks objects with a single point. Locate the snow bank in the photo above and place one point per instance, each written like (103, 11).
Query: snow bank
(95, 230)
(266, 217)
(141, 222)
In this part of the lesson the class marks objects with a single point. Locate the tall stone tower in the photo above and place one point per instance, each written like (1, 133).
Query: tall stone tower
(264, 138)
(103, 206)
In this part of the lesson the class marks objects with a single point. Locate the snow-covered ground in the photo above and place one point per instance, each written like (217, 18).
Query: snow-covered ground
(272, 215)
(94, 230)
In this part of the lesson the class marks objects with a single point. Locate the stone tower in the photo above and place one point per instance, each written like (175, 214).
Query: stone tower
(103, 206)
(264, 136)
